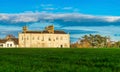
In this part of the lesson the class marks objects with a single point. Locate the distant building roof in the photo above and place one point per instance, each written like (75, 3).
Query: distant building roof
(11, 39)
(46, 32)
(3, 40)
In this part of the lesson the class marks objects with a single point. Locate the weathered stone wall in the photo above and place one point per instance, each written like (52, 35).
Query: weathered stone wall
(44, 40)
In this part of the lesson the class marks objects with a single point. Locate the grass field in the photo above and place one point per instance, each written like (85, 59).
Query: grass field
(60, 60)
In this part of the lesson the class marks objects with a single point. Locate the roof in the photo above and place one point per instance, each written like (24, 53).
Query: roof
(3, 40)
(59, 32)
(11, 39)
(15, 40)
(46, 32)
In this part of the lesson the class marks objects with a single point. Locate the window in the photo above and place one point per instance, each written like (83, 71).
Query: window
(61, 38)
(61, 46)
(7, 45)
(10, 45)
(43, 39)
(49, 39)
(65, 45)
(56, 38)
(38, 38)
(1, 45)
(65, 38)
(33, 38)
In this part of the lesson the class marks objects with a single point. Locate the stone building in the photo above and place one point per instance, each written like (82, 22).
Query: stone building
(48, 38)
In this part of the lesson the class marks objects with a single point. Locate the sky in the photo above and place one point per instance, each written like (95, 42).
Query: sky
(77, 17)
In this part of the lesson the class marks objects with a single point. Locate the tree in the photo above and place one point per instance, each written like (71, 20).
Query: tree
(117, 44)
(96, 41)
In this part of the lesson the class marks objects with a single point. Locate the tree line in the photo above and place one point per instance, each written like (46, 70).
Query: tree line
(95, 41)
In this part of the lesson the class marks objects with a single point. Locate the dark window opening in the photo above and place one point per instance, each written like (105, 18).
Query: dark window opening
(43, 39)
(56, 38)
(10, 45)
(49, 39)
(38, 38)
(61, 46)
(7, 45)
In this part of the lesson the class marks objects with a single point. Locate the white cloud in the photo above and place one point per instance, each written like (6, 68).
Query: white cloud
(112, 18)
(3, 17)
(50, 8)
(22, 18)
(37, 16)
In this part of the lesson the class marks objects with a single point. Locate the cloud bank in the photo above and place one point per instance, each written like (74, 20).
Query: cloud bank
(76, 17)
(76, 23)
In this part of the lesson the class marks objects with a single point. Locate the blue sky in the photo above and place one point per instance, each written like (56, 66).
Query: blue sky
(96, 7)
(78, 17)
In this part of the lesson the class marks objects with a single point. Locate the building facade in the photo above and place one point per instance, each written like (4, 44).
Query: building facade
(48, 38)
(9, 42)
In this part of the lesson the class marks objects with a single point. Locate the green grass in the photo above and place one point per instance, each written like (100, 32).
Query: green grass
(60, 60)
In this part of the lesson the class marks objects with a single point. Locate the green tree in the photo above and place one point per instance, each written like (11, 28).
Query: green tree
(96, 41)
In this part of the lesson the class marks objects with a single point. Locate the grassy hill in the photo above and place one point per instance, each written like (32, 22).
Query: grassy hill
(59, 60)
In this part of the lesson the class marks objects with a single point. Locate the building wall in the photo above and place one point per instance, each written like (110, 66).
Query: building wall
(44, 40)
(9, 44)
